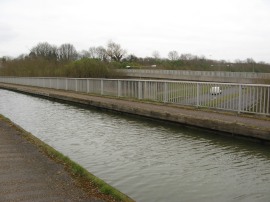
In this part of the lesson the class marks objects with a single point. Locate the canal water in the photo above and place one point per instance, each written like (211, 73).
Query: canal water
(148, 160)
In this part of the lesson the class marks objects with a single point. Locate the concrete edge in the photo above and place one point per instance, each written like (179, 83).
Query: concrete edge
(227, 128)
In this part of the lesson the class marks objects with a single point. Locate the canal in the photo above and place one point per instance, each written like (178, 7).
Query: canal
(148, 160)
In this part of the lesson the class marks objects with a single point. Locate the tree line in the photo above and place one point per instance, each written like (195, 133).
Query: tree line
(45, 59)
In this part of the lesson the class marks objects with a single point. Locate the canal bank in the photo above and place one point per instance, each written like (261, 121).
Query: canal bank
(244, 126)
(30, 170)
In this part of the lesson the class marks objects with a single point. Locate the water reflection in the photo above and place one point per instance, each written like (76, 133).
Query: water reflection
(148, 160)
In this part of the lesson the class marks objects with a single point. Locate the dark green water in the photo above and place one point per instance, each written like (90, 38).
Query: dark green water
(148, 160)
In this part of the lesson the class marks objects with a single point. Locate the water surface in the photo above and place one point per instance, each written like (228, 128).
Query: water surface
(148, 160)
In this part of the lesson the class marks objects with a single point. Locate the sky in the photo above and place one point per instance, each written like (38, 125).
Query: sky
(217, 29)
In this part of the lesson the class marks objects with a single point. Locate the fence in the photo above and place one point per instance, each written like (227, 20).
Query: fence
(247, 98)
(215, 76)
(199, 73)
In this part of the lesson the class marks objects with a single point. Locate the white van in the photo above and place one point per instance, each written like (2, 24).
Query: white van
(215, 90)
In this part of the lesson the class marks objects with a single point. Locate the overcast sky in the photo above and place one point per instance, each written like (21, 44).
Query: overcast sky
(217, 29)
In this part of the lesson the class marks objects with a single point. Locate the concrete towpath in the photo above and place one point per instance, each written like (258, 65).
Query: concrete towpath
(240, 125)
(26, 174)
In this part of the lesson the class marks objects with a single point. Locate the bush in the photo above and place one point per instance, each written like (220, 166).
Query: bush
(87, 68)
(40, 67)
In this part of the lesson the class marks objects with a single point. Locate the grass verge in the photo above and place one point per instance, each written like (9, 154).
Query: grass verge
(83, 178)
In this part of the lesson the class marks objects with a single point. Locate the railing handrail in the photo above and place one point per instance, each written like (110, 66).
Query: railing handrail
(142, 80)
(250, 98)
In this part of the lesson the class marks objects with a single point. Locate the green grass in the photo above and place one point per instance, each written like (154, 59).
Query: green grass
(220, 100)
(181, 91)
(77, 171)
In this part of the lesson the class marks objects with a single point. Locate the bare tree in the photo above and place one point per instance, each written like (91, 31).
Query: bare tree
(22, 56)
(173, 55)
(188, 56)
(250, 61)
(44, 50)
(67, 52)
(4, 59)
(93, 52)
(102, 53)
(156, 54)
(84, 54)
(238, 61)
(115, 52)
(98, 53)
(131, 58)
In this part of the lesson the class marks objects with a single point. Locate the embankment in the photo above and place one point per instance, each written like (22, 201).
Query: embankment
(31, 170)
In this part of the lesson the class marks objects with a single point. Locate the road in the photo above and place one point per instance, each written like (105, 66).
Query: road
(228, 99)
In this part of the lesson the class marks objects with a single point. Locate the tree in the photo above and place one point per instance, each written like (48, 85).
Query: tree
(156, 54)
(131, 58)
(188, 56)
(98, 53)
(92, 52)
(67, 52)
(5, 59)
(22, 57)
(102, 53)
(84, 54)
(250, 61)
(173, 55)
(115, 52)
(44, 50)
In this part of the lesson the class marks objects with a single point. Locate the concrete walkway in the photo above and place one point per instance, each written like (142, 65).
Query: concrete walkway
(28, 175)
(248, 126)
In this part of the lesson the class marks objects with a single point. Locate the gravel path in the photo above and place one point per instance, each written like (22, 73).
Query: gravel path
(28, 175)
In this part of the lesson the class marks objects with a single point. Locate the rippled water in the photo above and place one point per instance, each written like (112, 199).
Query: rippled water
(148, 160)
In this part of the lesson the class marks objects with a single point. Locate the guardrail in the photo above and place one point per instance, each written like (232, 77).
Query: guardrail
(247, 98)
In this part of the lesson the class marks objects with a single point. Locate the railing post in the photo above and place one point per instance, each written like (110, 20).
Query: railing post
(165, 92)
(118, 88)
(76, 85)
(66, 84)
(101, 87)
(240, 99)
(198, 95)
(140, 90)
(145, 93)
(56, 83)
(87, 85)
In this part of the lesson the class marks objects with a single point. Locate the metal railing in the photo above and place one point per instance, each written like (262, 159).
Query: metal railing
(155, 72)
(200, 76)
(247, 98)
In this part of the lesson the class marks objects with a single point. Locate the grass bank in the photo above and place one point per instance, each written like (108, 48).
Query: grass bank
(84, 179)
